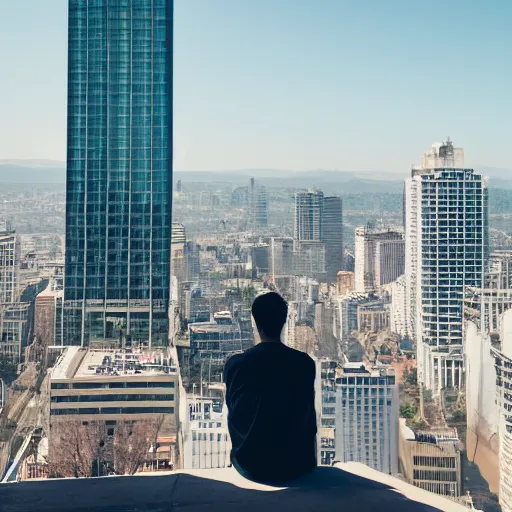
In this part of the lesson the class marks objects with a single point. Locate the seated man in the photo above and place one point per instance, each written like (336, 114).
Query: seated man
(270, 398)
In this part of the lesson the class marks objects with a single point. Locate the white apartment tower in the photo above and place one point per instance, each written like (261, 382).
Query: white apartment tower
(446, 242)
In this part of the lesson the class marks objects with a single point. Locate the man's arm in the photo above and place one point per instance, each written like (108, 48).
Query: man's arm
(229, 370)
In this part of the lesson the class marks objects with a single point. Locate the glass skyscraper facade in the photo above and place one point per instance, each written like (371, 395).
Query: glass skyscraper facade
(119, 175)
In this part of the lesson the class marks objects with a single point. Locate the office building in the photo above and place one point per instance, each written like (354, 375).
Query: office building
(112, 389)
(309, 259)
(309, 211)
(48, 316)
(260, 255)
(332, 236)
(258, 207)
(15, 326)
(178, 234)
(346, 283)
(431, 459)
(281, 257)
(367, 416)
(325, 396)
(446, 249)
(207, 443)
(9, 264)
(119, 172)
(379, 257)
(397, 318)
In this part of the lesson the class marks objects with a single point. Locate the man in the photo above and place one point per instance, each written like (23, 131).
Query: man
(270, 397)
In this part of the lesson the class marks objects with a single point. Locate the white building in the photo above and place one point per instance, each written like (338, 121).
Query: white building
(446, 250)
(503, 368)
(397, 320)
(379, 257)
(367, 416)
(207, 443)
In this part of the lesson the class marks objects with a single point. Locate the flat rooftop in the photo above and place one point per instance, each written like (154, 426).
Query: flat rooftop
(79, 363)
(203, 327)
(350, 487)
(364, 369)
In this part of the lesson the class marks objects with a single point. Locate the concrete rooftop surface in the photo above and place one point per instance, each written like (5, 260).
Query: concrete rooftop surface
(345, 487)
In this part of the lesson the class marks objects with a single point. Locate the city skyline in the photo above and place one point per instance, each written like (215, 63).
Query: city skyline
(233, 87)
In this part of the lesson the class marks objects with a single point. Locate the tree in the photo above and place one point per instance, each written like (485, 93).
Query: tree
(78, 450)
(411, 377)
(408, 410)
(7, 369)
(132, 442)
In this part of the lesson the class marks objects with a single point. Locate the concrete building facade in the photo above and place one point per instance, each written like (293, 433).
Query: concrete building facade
(379, 257)
(431, 459)
(367, 416)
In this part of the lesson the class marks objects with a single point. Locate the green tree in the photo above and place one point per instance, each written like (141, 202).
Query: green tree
(408, 410)
(411, 377)
(7, 369)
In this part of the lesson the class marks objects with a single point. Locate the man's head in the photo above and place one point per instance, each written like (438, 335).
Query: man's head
(270, 311)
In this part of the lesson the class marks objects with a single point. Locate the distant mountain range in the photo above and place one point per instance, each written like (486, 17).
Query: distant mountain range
(51, 171)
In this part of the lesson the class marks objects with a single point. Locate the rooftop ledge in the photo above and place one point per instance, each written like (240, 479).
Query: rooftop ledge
(346, 487)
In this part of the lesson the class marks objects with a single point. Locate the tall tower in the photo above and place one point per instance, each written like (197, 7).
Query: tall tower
(309, 210)
(446, 231)
(332, 235)
(309, 248)
(119, 175)
(258, 207)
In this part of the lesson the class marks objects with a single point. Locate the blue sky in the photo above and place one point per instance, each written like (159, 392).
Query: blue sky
(291, 84)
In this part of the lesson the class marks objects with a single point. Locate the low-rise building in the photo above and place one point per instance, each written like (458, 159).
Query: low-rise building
(431, 459)
(207, 443)
(116, 387)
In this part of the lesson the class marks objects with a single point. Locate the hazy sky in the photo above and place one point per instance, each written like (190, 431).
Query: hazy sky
(291, 84)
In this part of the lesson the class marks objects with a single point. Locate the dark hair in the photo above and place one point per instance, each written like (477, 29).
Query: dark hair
(270, 311)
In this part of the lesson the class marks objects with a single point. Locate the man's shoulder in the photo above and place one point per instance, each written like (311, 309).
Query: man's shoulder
(232, 362)
(305, 358)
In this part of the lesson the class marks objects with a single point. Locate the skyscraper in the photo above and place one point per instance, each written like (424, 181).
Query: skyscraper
(309, 249)
(309, 210)
(332, 235)
(258, 207)
(119, 176)
(446, 236)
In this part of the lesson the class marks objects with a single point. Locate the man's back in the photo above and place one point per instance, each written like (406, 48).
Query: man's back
(272, 420)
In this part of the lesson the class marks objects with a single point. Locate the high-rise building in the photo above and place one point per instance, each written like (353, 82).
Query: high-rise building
(332, 236)
(9, 263)
(119, 175)
(13, 314)
(446, 249)
(258, 207)
(379, 257)
(309, 211)
(367, 416)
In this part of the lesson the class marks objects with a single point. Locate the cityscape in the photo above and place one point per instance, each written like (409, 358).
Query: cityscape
(126, 285)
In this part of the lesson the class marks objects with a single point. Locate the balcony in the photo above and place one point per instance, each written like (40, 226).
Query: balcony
(350, 486)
